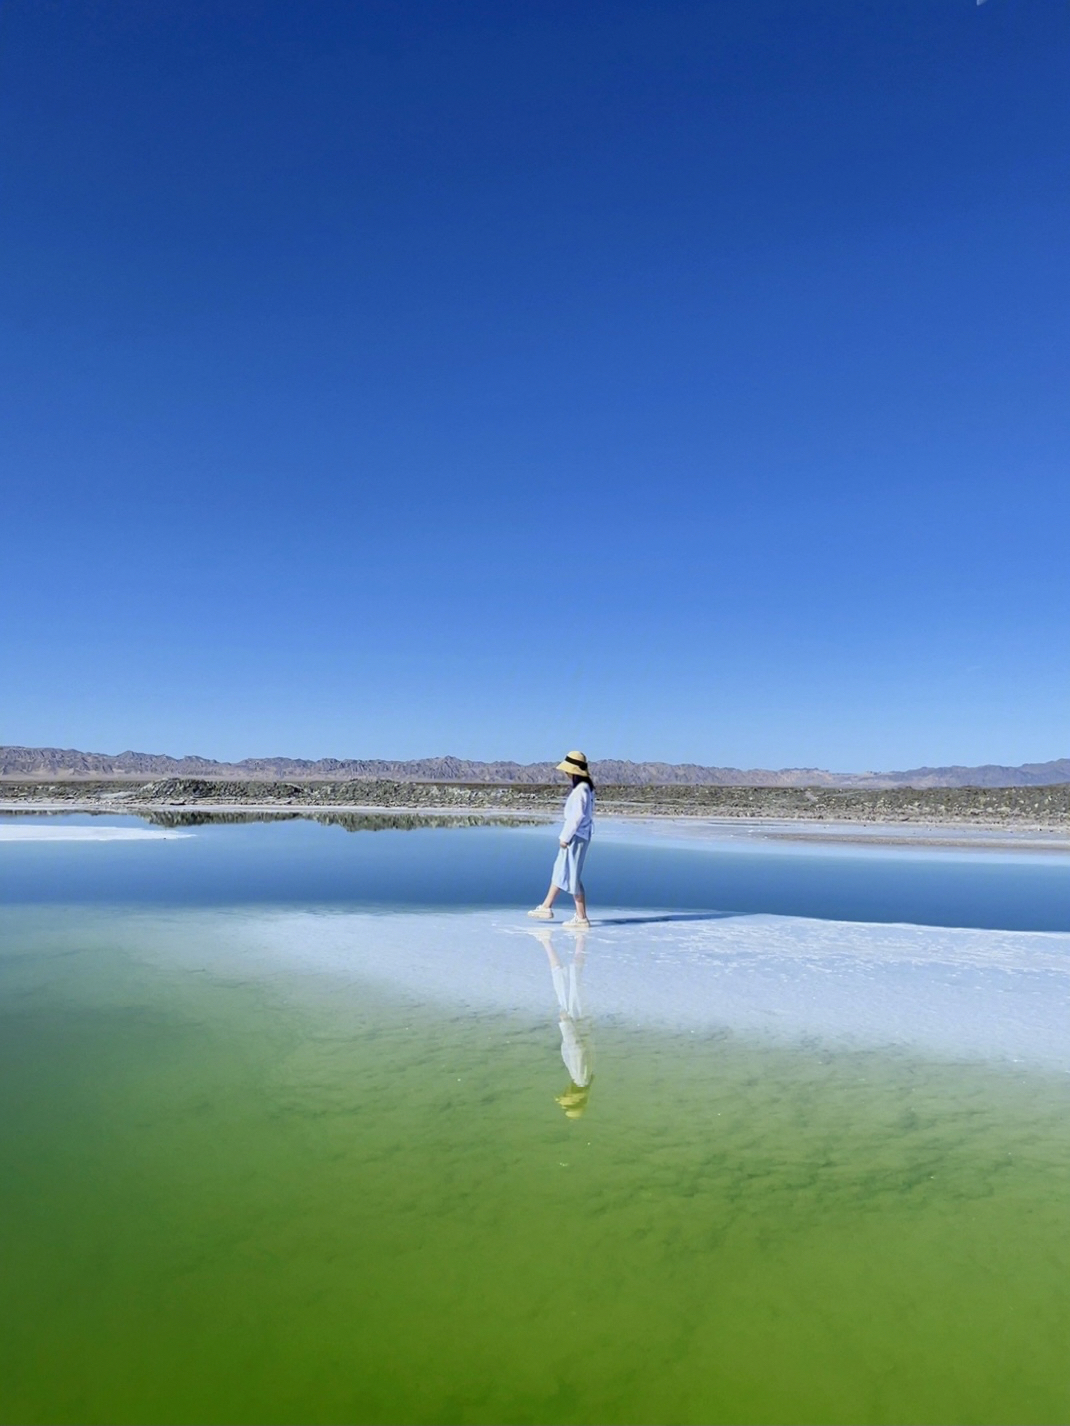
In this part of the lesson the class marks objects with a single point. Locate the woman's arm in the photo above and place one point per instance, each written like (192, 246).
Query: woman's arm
(575, 806)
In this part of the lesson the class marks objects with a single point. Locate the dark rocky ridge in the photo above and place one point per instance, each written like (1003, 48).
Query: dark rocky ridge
(56, 763)
(1033, 807)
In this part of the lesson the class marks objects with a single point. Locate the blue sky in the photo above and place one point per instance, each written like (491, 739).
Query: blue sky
(672, 380)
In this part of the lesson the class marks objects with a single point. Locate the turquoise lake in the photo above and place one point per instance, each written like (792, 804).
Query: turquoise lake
(301, 1124)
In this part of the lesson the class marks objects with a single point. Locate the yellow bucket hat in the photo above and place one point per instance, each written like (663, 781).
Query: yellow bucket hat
(574, 1100)
(576, 764)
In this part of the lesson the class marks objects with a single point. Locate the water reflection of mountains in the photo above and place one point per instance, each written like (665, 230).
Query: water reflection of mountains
(348, 821)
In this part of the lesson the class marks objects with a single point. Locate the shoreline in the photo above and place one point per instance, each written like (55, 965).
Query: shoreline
(1002, 835)
(952, 835)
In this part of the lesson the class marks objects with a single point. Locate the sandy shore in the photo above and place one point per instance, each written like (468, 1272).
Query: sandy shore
(889, 834)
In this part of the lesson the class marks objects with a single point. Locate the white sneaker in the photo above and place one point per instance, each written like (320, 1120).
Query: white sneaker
(541, 913)
(577, 923)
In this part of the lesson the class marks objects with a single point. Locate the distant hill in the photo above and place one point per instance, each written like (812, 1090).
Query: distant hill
(68, 763)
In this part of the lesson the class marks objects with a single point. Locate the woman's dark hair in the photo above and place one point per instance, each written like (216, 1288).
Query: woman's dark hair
(582, 777)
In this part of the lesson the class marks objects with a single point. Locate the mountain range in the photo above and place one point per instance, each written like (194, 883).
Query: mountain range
(68, 763)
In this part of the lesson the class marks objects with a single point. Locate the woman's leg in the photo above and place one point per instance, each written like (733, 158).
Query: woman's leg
(550, 897)
(580, 898)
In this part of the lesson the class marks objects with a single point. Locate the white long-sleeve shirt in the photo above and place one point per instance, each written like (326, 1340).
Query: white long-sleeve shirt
(579, 814)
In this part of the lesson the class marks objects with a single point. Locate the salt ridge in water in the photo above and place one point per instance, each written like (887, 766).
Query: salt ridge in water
(955, 993)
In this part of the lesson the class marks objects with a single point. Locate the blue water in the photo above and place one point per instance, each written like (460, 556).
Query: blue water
(268, 1155)
(305, 863)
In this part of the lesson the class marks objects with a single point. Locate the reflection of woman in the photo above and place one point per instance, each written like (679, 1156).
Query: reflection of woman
(573, 1024)
(573, 842)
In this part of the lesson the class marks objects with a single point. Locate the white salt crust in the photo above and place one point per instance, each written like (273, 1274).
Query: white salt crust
(21, 832)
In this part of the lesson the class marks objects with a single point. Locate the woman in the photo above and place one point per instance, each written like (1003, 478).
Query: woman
(573, 842)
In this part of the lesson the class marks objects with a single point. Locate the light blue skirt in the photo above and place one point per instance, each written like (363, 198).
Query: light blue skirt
(569, 865)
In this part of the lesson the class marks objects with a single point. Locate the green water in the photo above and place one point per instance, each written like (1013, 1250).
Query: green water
(224, 1202)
